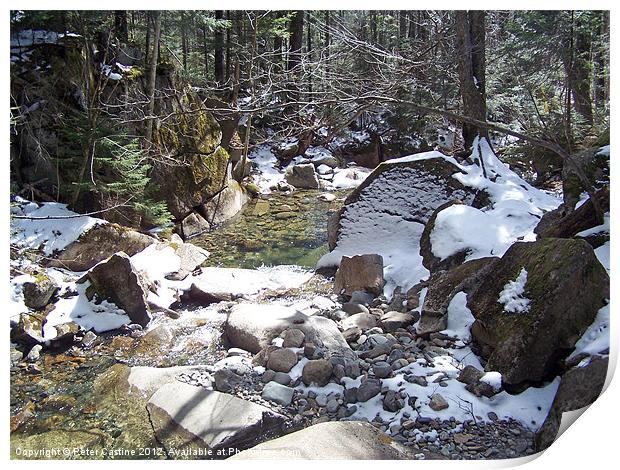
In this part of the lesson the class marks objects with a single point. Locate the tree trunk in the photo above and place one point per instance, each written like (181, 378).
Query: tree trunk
(402, 25)
(153, 76)
(309, 49)
(120, 26)
(296, 30)
(470, 49)
(219, 68)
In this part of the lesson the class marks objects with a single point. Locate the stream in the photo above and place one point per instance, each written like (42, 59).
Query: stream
(56, 402)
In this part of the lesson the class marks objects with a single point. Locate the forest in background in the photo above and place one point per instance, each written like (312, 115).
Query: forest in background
(309, 75)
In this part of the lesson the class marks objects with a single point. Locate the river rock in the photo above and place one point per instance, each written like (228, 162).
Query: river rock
(119, 282)
(38, 294)
(351, 308)
(278, 393)
(368, 389)
(393, 401)
(191, 257)
(253, 326)
(352, 334)
(381, 369)
(35, 353)
(225, 380)
(360, 273)
(186, 417)
(317, 372)
(282, 360)
(335, 440)
(293, 338)
(193, 225)
(223, 206)
(302, 176)
(98, 244)
(438, 402)
(392, 321)
(364, 321)
(566, 286)
(470, 375)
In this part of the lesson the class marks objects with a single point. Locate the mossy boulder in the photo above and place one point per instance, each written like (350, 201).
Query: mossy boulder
(594, 163)
(37, 294)
(566, 286)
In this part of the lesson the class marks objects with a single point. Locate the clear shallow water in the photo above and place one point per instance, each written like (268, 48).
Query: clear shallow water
(280, 229)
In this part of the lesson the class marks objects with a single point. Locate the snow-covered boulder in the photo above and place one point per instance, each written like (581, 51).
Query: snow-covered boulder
(98, 244)
(119, 282)
(302, 176)
(535, 303)
(386, 214)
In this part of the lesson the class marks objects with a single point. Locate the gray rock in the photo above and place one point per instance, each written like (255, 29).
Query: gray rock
(393, 401)
(364, 321)
(321, 400)
(293, 338)
(381, 369)
(193, 225)
(350, 395)
(317, 372)
(351, 308)
(438, 402)
(117, 281)
(368, 389)
(278, 393)
(268, 376)
(332, 406)
(361, 297)
(302, 176)
(282, 360)
(225, 380)
(282, 378)
(392, 321)
(35, 353)
(416, 379)
(339, 440)
(399, 364)
(184, 416)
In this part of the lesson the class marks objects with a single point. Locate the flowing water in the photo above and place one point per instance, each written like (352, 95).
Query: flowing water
(68, 408)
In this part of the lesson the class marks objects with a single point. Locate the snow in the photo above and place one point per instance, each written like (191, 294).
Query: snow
(460, 318)
(266, 164)
(248, 282)
(49, 234)
(157, 261)
(16, 300)
(383, 221)
(516, 208)
(494, 379)
(596, 338)
(86, 313)
(348, 178)
(603, 151)
(603, 228)
(602, 253)
(512, 295)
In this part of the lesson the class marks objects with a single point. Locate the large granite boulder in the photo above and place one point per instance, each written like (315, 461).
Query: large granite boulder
(117, 281)
(194, 419)
(579, 387)
(228, 202)
(253, 326)
(336, 440)
(98, 244)
(550, 292)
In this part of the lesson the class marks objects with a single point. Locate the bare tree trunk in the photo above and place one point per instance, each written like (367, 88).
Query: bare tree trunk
(153, 76)
(120, 25)
(219, 68)
(470, 49)
(296, 30)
